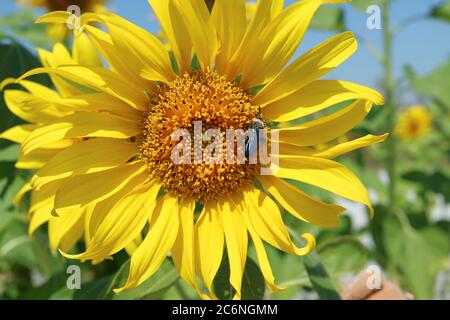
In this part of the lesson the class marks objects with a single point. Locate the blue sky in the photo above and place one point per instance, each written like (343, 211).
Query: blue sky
(424, 44)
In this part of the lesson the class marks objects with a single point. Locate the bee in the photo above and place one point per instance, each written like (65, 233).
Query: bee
(255, 141)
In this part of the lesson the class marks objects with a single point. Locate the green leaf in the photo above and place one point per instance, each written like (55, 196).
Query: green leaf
(253, 284)
(10, 153)
(319, 278)
(98, 289)
(328, 19)
(434, 85)
(63, 294)
(437, 182)
(342, 255)
(441, 11)
(153, 288)
(418, 254)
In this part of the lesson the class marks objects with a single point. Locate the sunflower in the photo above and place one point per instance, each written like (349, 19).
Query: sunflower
(413, 123)
(59, 32)
(115, 180)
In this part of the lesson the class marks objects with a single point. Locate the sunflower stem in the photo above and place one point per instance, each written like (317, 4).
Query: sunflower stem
(391, 104)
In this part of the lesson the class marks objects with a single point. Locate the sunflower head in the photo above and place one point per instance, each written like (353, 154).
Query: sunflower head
(413, 123)
(59, 32)
(103, 142)
(197, 98)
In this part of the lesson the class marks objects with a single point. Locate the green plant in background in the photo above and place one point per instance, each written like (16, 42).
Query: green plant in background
(410, 243)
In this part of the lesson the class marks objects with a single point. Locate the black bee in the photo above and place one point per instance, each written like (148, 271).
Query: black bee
(254, 142)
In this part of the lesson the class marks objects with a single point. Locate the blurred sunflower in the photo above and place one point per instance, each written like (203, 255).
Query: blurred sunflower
(413, 123)
(115, 179)
(59, 32)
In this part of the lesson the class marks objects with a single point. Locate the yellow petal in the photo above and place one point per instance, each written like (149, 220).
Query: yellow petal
(278, 42)
(18, 197)
(183, 250)
(98, 102)
(57, 57)
(18, 133)
(308, 67)
(79, 125)
(89, 188)
(84, 52)
(325, 174)
(99, 79)
(133, 245)
(113, 57)
(122, 224)
(346, 147)
(31, 108)
(326, 128)
(236, 240)
(59, 226)
(38, 90)
(265, 217)
(41, 205)
(157, 243)
(266, 10)
(73, 235)
(209, 237)
(230, 21)
(201, 30)
(301, 205)
(317, 96)
(145, 50)
(39, 157)
(39, 217)
(172, 23)
(90, 156)
(263, 260)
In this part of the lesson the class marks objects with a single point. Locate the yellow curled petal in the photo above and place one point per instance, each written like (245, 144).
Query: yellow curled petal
(265, 217)
(343, 148)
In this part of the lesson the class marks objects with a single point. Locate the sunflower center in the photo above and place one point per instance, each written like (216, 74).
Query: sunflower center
(197, 103)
